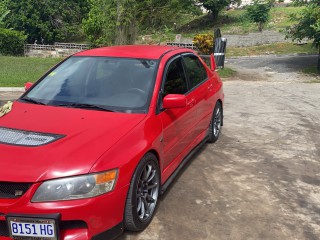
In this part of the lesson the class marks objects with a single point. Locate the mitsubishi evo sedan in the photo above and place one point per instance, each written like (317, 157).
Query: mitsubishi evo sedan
(86, 151)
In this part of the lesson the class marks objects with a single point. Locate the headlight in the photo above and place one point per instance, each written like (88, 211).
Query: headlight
(79, 187)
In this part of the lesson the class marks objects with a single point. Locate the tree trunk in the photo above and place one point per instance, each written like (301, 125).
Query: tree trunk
(260, 26)
(126, 31)
(120, 27)
(214, 15)
(319, 61)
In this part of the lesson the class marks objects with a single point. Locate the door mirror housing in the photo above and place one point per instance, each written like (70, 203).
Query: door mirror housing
(174, 101)
(27, 86)
(213, 64)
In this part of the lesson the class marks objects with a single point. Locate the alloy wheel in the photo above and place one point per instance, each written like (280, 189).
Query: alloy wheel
(147, 191)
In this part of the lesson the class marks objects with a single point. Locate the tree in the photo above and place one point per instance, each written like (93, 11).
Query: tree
(258, 12)
(3, 6)
(300, 2)
(215, 6)
(307, 25)
(58, 20)
(119, 21)
(99, 26)
(2, 17)
(3, 12)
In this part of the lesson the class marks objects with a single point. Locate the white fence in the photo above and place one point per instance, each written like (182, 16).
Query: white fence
(56, 50)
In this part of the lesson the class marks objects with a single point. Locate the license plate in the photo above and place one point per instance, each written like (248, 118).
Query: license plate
(32, 228)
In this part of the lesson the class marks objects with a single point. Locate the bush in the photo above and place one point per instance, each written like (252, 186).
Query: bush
(11, 42)
(258, 12)
(204, 43)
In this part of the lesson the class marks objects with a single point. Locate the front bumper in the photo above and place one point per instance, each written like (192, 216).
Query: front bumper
(95, 218)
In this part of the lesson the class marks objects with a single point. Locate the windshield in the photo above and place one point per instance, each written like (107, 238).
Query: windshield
(115, 84)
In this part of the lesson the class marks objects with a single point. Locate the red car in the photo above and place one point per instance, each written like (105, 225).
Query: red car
(89, 148)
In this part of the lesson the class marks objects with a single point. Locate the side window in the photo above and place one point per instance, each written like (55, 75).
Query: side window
(195, 70)
(175, 81)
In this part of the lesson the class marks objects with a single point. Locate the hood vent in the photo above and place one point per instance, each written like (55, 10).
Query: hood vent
(26, 138)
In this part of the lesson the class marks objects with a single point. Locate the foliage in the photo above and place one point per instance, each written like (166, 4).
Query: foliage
(3, 6)
(204, 43)
(308, 25)
(215, 6)
(153, 14)
(99, 26)
(2, 17)
(47, 21)
(118, 21)
(11, 42)
(300, 2)
(3, 12)
(258, 12)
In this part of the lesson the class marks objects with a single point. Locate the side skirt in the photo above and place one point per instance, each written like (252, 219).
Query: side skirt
(182, 164)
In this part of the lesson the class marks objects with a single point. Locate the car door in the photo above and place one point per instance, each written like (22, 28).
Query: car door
(200, 89)
(177, 122)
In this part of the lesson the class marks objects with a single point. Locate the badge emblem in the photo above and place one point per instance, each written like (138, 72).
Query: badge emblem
(6, 108)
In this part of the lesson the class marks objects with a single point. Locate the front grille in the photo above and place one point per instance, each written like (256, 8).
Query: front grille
(4, 231)
(13, 190)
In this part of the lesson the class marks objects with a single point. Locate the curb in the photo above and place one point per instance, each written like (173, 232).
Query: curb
(12, 89)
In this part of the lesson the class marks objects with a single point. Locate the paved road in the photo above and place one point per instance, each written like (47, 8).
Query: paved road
(280, 64)
(261, 180)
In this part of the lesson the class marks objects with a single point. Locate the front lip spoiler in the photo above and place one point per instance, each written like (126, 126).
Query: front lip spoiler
(110, 234)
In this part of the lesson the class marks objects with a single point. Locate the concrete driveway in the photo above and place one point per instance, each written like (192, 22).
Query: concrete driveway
(261, 180)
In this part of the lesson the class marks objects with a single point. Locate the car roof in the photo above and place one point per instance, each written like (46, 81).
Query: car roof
(131, 51)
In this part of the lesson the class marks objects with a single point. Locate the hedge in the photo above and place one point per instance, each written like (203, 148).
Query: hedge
(11, 42)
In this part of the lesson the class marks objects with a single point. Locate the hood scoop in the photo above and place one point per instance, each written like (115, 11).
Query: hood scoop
(26, 138)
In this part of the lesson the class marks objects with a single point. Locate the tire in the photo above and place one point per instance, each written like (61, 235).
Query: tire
(215, 123)
(142, 200)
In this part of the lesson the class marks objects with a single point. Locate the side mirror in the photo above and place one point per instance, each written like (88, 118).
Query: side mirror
(174, 101)
(213, 65)
(27, 86)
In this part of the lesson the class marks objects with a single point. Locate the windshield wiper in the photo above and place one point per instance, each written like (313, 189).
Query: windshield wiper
(86, 106)
(30, 100)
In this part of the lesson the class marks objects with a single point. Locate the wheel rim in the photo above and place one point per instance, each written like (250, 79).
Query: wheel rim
(147, 192)
(217, 122)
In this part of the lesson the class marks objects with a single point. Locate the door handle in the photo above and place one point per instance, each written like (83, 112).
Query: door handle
(210, 87)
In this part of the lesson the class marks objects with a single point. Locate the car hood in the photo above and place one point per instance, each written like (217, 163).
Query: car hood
(85, 136)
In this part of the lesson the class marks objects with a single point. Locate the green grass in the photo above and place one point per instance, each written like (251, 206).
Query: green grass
(276, 48)
(311, 70)
(280, 17)
(16, 71)
(314, 81)
(226, 72)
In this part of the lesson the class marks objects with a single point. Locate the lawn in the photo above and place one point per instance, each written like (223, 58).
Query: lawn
(16, 71)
